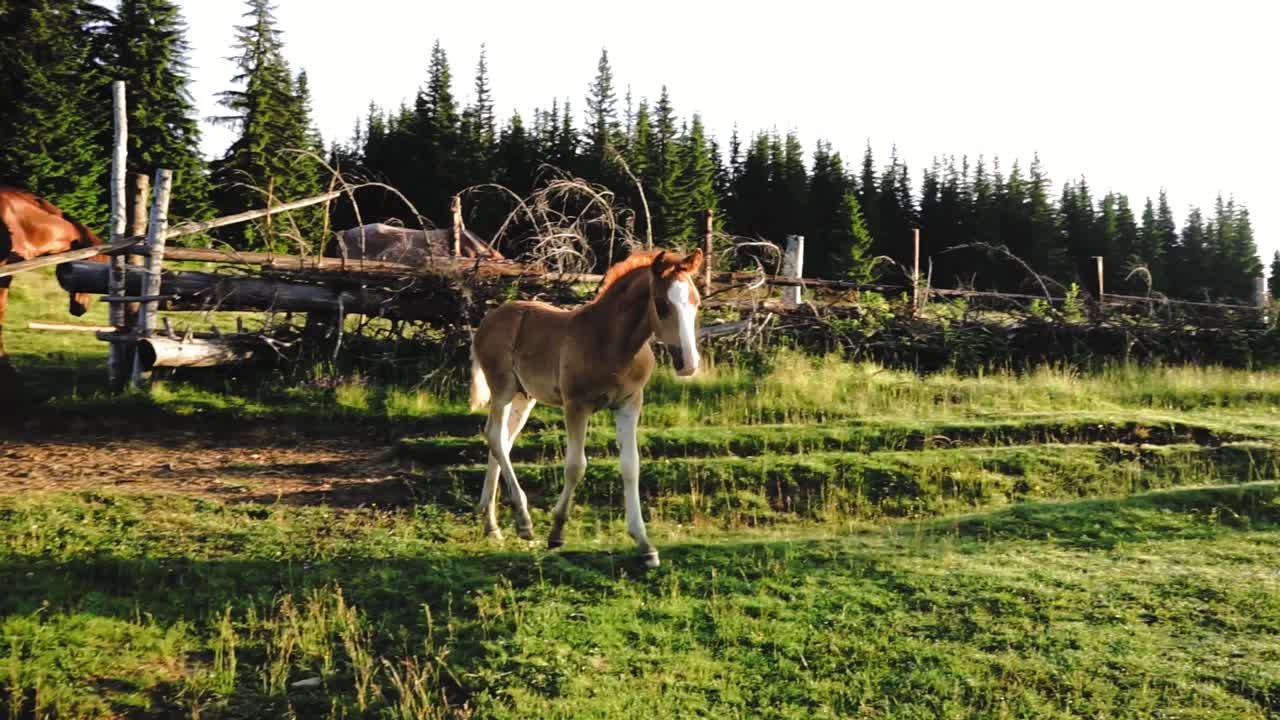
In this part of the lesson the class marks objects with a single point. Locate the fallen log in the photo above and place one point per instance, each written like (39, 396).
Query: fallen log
(190, 290)
(160, 351)
(438, 265)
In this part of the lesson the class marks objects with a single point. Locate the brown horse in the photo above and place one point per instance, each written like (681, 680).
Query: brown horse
(593, 357)
(31, 226)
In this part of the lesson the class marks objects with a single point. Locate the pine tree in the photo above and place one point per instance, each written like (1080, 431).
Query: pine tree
(52, 92)
(666, 201)
(1044, 254)
(478, 131)
(1188, 276)
(828, 188)
(149, 52)
(751, 191)
(1273, 282)
(1165, 250)
(517, 157)
(869, 194)
(271, 118)
(853, 242)
(896, 212)
(602, 120)
(435, 135)
(697, 180)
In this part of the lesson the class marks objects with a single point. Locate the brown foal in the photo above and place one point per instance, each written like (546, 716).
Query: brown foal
(586, 359)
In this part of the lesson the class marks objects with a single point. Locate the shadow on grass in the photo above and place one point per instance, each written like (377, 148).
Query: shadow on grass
(1189, 512)
(461, 585)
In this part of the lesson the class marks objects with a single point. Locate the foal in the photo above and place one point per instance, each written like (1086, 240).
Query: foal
(592, 357)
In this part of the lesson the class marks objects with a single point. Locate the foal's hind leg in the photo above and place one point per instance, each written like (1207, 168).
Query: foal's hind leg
(521, 406)
(496, 431)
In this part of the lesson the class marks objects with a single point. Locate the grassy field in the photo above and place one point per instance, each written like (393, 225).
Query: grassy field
(838, 540)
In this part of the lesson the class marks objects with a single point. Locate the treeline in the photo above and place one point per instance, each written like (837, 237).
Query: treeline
(983, 222)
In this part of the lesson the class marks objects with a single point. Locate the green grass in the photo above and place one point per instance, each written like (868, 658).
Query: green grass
(838, 540)
(1164, 604)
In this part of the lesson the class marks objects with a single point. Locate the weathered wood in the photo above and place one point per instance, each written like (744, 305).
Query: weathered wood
(1101, 294)
(212, 291)
(157, 236)
(714, 331)
(110, 247)
(435, 265)
(915, 271)
(161, 351)
(199, 227)
(455, 215)
(50, 325)
(793, 267)
(135, 298)
(117, 246)
(708, 235)
(117, 356)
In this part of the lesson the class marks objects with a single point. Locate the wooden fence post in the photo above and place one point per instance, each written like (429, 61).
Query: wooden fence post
(915, 272)
(708, 235)
(793, 267)
(157, 232)
(1101, 292)
(455, 211)
(118, 353)
(139, 194)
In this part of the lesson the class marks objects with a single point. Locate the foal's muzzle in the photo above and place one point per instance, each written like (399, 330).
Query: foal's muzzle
(683, 367)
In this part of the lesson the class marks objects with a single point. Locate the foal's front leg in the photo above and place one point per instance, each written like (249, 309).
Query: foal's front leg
(575, 466)
(627, 418)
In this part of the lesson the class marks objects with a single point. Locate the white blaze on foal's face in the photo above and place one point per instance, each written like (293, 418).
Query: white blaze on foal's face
(684, 308)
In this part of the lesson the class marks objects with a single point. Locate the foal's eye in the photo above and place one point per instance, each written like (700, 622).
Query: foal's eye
(663, 307)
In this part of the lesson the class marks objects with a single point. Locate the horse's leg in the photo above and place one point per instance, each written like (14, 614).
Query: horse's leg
(521, 406)
(575, 466)
(4, 305)
(627, 418)
(496, 432)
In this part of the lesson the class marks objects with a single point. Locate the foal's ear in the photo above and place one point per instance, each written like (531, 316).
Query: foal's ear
(691, 263)
(659, 263)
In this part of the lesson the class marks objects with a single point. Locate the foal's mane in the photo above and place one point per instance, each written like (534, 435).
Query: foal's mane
(640, 259)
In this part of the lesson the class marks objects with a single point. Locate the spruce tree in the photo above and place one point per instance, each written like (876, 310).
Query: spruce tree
(478, 131)
(1189, 275)
(1044, 253)
(602, 121)
(52, 94)
(1273, 282)
(149, 53)
(852, 242)
(869, 194)
(698, 179)
(666, 201)
(1165, 248)
(273, 127)
(827, 190)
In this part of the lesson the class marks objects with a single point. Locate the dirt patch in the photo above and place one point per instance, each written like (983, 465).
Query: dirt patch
(254, 466)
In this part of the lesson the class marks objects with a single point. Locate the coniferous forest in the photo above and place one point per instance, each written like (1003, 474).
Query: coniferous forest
(856, 210)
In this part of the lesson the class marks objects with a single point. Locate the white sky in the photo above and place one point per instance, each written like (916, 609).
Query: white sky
(1132, 94)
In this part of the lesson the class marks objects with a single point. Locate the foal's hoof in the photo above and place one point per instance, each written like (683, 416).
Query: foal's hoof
(555, 543)
(651, 559)
(525, 533)
(493, 533)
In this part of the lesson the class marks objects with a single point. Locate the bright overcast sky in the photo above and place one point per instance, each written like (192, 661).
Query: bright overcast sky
(1134, 95)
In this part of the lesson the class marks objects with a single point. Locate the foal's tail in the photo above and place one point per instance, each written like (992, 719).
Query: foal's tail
(479, 385)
